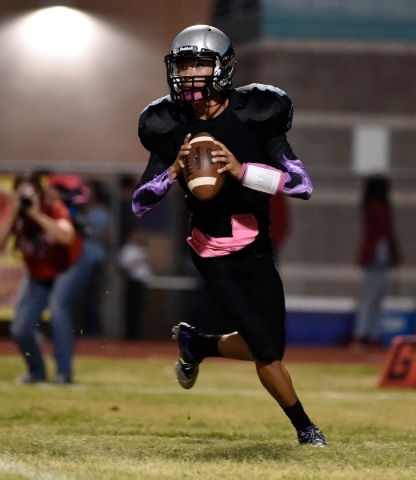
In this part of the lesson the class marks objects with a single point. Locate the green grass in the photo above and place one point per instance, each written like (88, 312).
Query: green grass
(127, 419)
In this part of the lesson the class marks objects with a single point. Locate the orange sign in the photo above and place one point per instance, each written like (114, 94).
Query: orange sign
(400, 366)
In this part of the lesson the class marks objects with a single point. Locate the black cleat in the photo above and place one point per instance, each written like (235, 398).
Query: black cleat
(312, 436)
(187, 367)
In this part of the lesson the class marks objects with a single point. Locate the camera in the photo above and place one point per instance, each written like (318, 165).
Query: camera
(25, 202)
(26, 199)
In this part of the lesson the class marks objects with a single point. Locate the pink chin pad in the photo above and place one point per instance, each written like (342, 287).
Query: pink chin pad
(191, 95)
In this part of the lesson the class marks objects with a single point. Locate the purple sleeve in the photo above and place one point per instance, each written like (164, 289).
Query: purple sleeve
(298, 183)
(280, 154)
(149, 194)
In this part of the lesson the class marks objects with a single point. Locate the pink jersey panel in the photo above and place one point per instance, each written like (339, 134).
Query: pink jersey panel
(244, 227)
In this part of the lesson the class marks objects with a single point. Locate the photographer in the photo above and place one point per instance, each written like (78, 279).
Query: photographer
(46, 238)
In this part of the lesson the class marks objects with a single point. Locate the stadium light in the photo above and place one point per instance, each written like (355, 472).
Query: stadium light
(58, 33)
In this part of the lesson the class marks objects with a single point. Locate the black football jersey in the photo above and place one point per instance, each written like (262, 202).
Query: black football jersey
(253, 127)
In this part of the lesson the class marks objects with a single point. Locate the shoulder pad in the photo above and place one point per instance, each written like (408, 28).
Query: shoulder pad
(155, 120)
(266, 102)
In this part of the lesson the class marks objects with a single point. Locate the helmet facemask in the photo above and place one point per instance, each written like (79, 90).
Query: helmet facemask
(189, 88)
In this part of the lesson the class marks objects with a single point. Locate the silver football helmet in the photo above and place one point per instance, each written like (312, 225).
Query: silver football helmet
(200, 42)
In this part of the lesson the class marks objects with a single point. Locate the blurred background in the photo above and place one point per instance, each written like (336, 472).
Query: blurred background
(75, 75)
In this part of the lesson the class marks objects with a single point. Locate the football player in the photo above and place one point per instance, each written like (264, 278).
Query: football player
(229, 240)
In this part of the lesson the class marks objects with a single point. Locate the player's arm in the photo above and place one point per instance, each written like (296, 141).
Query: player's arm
(297, 181)
(256, 176)
(286, 174)
(282, 171)
(160, 174)
(157, 180)
(152, 188)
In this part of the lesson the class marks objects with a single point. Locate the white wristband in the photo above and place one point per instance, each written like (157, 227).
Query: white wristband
(263, 179)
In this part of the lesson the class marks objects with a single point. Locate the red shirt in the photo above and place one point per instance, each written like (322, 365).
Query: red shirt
(44, 257)
(377, 225)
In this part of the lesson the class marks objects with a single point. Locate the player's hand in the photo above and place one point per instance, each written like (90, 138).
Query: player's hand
(232, 165)
(176, 168)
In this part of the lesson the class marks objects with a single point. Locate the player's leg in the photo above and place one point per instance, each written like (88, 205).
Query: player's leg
(273, 375)
(276, 380)
(234, 346)
(249, 291)
(194, 347)
(226, 280)
(268, 296)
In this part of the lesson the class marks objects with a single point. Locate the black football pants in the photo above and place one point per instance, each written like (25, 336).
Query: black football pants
(247, 288)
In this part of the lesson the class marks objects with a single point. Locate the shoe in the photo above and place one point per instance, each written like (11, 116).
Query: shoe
(29, 378)
(187, 367)
(61, 379)
(312, 436)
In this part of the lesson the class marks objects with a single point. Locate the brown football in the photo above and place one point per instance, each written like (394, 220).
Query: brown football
(200, 173)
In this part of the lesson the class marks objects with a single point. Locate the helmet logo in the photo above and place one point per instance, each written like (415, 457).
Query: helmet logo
(192, 49)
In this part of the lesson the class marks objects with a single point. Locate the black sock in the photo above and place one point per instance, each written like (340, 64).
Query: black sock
(297, 416)
(204, 346)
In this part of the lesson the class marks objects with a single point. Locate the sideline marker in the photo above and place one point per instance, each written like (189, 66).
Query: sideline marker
(400, 365)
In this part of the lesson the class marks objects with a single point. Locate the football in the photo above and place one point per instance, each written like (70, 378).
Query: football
(200, 173)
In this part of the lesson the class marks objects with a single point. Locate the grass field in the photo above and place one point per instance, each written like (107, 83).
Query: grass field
(127, 419)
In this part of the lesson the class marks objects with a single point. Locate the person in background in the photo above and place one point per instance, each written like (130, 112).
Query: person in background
(71, 189)
(229, 239)
(377, 254)
(279, 224)
(128, 221)
(97, 241)
(133, 261)
(51, 249)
